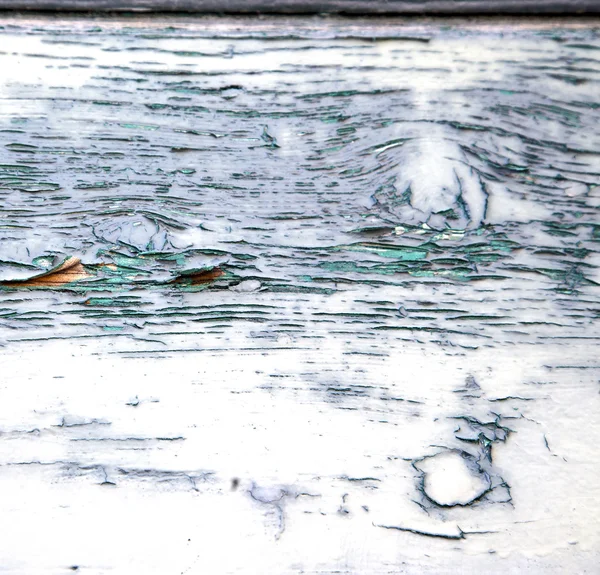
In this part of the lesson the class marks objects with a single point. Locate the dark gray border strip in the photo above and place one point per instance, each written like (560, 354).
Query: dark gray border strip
(365, 7)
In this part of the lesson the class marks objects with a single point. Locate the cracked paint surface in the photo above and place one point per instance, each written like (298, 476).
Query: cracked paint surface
(299, 296)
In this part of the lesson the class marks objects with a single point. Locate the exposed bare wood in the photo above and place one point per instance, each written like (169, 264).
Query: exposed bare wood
(357, 7)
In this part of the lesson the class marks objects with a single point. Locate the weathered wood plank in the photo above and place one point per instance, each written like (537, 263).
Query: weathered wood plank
(299, 296)
(368, 7)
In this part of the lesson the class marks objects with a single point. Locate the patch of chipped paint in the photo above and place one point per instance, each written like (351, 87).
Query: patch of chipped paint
(453, 478)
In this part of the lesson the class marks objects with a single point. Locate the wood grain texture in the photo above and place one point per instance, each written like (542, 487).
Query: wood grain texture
(299, 296)
(364, 7)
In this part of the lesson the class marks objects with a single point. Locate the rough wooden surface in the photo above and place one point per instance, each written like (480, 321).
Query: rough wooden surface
(451, 7)
(299, 296)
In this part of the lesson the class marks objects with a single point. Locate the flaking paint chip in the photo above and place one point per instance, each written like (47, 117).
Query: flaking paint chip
(453, 478)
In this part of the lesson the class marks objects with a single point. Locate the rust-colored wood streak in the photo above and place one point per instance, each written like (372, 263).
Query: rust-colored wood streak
(70, 271)
(199, 277)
